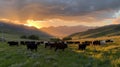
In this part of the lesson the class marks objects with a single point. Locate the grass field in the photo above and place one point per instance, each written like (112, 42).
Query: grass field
(94, 56)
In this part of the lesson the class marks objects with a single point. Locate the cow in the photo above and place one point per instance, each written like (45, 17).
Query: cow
(31, 46)
(51, 44)
(87, 42)
(40, 42)
(109, 41)
(56, 45)
(22, 42)
(76, 42)
(70, 42)
(102, 42)
(61, 45)
(99, 42)
(96, 42)
(47, 44)
(13, 43)
(82, 46)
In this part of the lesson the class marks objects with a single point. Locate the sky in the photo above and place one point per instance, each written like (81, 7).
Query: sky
(45, 13)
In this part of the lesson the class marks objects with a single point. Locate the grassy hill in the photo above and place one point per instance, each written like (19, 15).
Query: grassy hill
(94, 56)
(15, 31)
(110, 30)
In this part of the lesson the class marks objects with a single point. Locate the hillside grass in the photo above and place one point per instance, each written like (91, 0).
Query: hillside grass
(109, 30)
(94, 56)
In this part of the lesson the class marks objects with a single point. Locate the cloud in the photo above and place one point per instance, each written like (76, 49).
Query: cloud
(76, 10)
(116, 21)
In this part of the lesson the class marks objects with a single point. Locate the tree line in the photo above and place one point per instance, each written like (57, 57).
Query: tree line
(32, 37)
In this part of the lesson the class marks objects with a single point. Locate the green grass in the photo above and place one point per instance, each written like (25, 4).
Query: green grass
(94, 56)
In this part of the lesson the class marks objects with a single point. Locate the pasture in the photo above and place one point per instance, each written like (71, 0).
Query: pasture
(94, 56)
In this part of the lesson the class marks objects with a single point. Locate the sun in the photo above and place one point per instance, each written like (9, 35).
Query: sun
(32, 23)
(28, 25)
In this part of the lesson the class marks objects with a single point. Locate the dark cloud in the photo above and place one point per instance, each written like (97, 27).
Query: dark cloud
(63, 9)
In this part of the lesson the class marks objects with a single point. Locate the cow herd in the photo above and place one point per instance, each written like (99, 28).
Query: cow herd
(33, 45)
(83, 45)
(57, 45)
(60, 45)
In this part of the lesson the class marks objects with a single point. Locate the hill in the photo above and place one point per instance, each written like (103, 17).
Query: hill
(15, 31)
(62, 31)
(109, 30)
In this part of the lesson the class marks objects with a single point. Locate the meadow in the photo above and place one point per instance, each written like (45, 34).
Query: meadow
(94, 56)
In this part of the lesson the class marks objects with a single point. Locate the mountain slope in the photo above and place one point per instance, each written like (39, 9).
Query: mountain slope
(18, 30)
(63, 31)
(110, 30)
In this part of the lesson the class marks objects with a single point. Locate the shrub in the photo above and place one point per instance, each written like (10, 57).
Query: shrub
(23, 37)
(67, 38)
(33, 37)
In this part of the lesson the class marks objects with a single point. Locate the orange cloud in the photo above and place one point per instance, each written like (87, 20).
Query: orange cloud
(116, 20)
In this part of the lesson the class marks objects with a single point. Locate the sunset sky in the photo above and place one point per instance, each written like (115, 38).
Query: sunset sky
(45, 13)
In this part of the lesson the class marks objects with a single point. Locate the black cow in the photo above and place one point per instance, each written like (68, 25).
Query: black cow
(51, 44)
(96, 42)
(70, 42)
(47, 44)
(32, 46)
(61, 45)
(13, 43)
(40, 42)
(56, 45)
(109, 41)
(22, 42)
(87, 42)
(27, 42)
(76, 42)
(82, 46)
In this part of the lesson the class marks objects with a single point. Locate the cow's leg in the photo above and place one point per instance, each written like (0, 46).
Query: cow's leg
(27, 48)
(63, 49)
(36, 49)
(45, 46)
(79, 47)
(56, 49)
(51, 47)
(31, 49)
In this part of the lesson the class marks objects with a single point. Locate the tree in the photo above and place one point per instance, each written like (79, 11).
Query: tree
(67, 38)
(33, 37)
(23, 37)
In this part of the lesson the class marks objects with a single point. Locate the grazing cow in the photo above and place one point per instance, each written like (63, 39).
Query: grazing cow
(27, 42)
(76, 42)
(87, 42)
(96, 42)
(82, 46)
(13, 43)
(56, 45)
(50, 44)
(40, 42)
(109, 41)
(32, 46)
(70, 42)
(53, 45)
(47, 44)
(61, 46)
(22, 42)
(102, 42)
